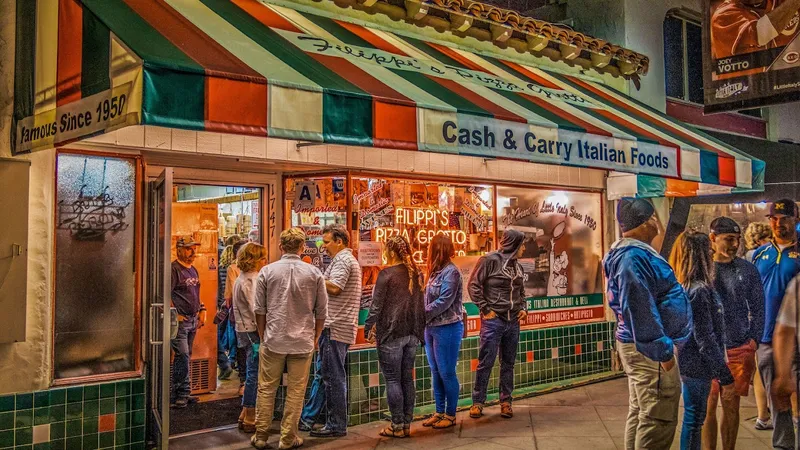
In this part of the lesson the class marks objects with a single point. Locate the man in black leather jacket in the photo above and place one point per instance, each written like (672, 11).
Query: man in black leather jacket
(496, 287)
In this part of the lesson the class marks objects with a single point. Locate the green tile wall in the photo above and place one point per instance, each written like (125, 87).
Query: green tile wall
(548, 356)
(96, 416)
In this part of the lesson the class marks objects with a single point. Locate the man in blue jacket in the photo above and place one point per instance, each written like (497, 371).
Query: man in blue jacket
(778, 263)
(653, 317)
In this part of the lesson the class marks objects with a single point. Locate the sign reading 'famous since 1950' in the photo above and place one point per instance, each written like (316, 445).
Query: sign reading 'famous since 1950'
(102, 111)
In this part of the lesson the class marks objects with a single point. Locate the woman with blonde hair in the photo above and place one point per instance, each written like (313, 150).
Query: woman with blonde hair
(702, 358)
(250, 259)
(756, 235)
(396, 323)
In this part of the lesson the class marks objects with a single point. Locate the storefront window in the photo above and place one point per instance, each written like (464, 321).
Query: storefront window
(563, 252)
(313, 204)
(95, 281)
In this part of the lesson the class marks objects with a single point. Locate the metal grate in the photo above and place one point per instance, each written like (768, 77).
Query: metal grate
(199, 376)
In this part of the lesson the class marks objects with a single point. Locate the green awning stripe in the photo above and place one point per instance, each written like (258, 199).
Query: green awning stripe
(25, 66)
(95, 56)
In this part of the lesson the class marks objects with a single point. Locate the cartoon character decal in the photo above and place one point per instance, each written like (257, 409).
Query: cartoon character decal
(558, 282)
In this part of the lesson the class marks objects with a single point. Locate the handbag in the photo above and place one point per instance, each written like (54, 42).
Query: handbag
(221, 315)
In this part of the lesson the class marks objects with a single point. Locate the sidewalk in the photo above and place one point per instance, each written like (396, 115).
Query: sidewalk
(590, 417)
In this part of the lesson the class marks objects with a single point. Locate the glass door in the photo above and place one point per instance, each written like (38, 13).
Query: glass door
(161, 326)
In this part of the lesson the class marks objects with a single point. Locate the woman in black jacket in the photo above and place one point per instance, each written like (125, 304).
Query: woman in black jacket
(702, 358)
(496, 288)
(396, 323)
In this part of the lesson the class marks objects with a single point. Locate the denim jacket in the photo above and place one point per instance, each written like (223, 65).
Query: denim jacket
(443, 297)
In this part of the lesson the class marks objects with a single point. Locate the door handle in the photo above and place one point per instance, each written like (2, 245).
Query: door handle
(16, 250)
(154, 323)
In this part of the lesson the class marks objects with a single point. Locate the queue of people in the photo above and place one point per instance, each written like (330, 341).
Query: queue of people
(698, 326)
(722, 316)
(286, 311)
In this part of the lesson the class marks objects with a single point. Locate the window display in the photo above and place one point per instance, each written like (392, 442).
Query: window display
(562, 260)
(563, 254)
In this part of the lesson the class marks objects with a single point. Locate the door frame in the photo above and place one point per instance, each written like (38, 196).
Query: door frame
(270, 220)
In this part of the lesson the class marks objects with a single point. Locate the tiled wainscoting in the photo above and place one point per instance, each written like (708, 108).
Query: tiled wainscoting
(95, 416)
(545, 358)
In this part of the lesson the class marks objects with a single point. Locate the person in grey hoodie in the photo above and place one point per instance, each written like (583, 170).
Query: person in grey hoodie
(496, 288)
(653, 317)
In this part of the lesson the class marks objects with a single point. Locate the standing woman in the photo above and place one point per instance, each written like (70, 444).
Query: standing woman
(396, 323)
(702, 358)
(444, 329)
(251, 258)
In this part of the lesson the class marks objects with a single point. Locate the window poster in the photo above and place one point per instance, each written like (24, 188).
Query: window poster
(563, 252)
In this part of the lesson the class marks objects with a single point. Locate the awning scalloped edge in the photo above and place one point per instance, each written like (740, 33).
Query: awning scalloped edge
(507, 28)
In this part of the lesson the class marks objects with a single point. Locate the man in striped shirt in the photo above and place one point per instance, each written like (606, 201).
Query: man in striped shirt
(329, 390)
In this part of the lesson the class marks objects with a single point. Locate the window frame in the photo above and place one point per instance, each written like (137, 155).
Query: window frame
(138, 267)
(686, 16)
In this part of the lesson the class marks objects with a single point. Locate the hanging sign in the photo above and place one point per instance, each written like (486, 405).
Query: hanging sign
(103, 111)
(304, 195)
(751, 53)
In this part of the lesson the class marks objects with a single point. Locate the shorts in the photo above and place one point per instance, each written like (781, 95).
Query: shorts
(742, 363)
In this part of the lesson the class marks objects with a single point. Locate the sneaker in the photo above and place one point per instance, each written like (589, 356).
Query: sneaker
(506, 411)
(327, 433)
(181, 403)
(763, 424)
(302, 426)
(476, 411)
(225, 374)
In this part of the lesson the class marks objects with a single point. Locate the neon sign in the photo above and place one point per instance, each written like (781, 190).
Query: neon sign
(429, 222)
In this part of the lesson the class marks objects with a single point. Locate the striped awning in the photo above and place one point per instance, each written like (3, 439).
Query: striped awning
(253, 67)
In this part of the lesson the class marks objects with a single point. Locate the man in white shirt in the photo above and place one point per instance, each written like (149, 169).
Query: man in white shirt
(329, 389)
(291, 308)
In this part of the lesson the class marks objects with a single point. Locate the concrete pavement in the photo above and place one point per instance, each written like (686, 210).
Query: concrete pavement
(590, 417)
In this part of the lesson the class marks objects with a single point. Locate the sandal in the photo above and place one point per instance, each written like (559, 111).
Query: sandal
(298, 442)
(445, 422)
(432, 420)
(391, 432)
(476, 411)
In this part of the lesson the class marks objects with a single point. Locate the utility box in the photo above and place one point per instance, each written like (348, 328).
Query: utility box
(14, 179)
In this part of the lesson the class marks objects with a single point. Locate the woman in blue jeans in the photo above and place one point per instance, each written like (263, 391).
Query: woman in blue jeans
(396, 323)
(444, 329)
(251, 259)
(702, 358)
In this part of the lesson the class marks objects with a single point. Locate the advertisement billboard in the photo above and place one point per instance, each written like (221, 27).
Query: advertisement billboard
(751, 53)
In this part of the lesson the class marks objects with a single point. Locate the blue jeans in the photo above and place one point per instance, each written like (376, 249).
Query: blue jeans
(396, 358)
(329, 389)
(695, 403)
(497, 336)
(226, 345)
(182, 349)
(246, 342)
(442, 344)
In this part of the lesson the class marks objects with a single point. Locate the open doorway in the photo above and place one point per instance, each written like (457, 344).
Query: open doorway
(216, 218)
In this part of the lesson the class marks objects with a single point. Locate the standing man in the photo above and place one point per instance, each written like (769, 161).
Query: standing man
(653, 317)
(191, 317)
(291, 307)
(329, 389)
(778, 263)
(739, 286)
